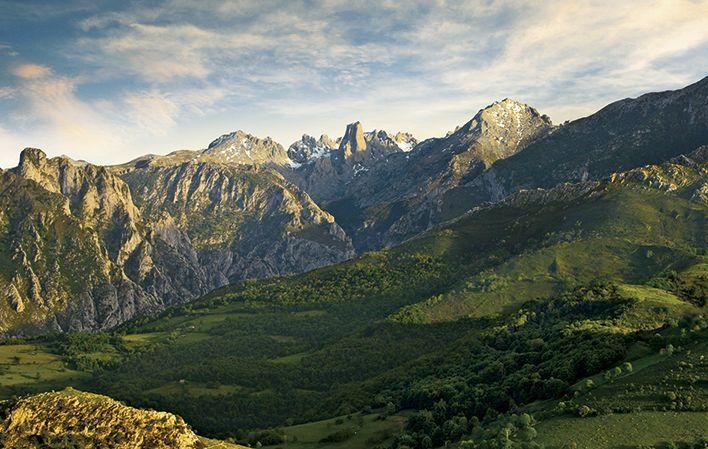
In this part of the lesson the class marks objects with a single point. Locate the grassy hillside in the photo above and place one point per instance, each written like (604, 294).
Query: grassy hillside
(662, 400)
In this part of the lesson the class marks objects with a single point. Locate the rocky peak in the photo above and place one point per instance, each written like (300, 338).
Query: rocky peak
(405, 141)
(307, 149)
(325, 140)
(506, 119)
(390, 143)
(89, 188)
(497, 131)
(33, 162)
(353, 144)
(240, 147)
(359, 147)
(32, 157)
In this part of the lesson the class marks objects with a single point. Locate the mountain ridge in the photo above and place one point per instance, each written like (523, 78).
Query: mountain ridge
(170, 228)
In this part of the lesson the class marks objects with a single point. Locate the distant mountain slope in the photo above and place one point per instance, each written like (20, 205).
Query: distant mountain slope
(390, 195)
(624, 135)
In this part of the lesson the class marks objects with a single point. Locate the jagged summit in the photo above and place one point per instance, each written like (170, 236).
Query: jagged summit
(308, 149)
(236, 148)
(359, 147)
(497, 131)
(405, 141)
(510, 115)
(240, 147)
(353, 144)
(355, 147)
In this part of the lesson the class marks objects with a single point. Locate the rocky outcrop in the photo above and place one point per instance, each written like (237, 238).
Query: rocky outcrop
(86, 420)
(95, 196)
(685, 173)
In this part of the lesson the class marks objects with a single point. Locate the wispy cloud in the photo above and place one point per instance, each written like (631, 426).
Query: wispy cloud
(50, 101)
(6, 92)
(31, 71)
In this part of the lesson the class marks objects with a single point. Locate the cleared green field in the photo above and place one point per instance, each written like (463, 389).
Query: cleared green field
(195, 389)
(623, 430)
(28, 364)
(365, 431)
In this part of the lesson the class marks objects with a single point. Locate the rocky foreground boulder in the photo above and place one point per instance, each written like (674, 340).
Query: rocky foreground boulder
(72, 418)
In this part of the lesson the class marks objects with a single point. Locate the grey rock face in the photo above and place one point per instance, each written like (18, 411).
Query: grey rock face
(241, 222)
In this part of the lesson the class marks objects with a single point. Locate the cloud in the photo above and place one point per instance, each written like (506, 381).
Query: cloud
(151, 110)
(56, 117)
(581, 46)
(156, 112)
(7, 49)
(6, 92)
(52, 101)
(31, 71)
(286, 45)
(156, 53)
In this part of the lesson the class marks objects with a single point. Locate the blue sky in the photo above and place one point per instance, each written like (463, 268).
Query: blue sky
(107, 81)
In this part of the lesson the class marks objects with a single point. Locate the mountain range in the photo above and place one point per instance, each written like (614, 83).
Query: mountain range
(514, 284)
(86, 247)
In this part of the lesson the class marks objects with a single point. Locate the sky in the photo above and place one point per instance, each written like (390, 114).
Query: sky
(109, 80)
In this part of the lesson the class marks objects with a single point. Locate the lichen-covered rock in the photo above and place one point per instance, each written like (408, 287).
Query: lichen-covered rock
(91, 421)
